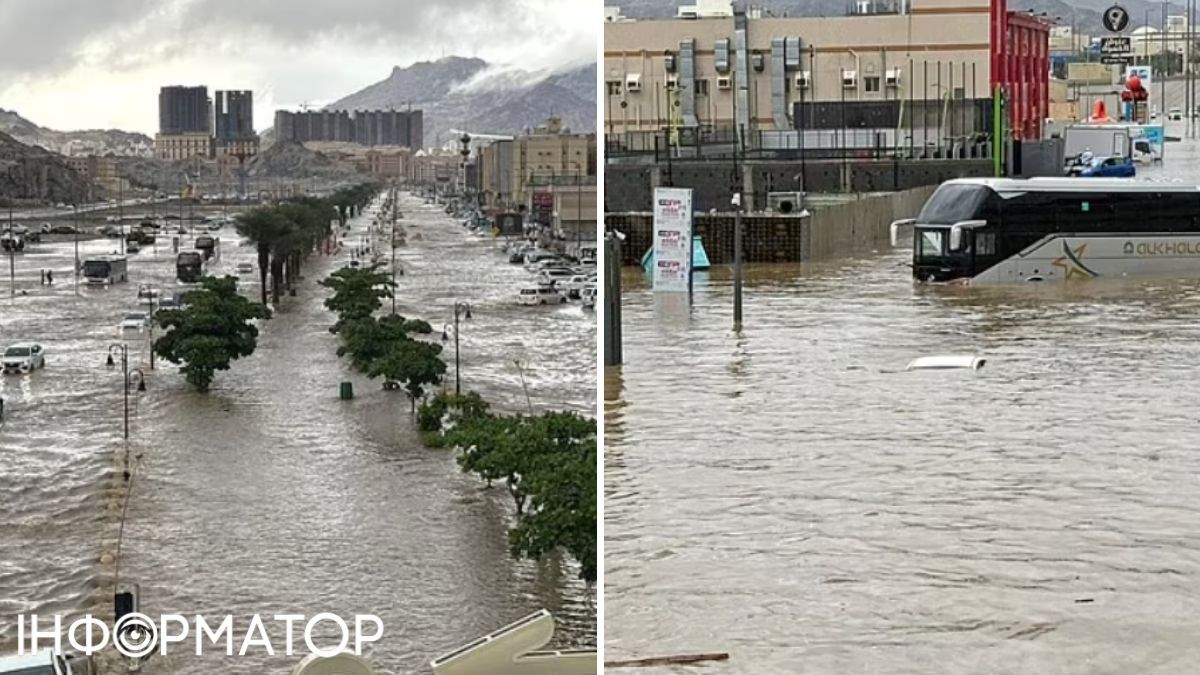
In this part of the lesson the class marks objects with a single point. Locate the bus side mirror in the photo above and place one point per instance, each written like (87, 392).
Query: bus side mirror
(956, 238)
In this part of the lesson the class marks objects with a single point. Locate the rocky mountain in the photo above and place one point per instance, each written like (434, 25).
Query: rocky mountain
(1084, 13)
(88, 141)
(30, 173)
(470, 94)
(292, 160)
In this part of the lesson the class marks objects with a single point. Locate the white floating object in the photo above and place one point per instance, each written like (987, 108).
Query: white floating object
(946, 362)
(513, 650)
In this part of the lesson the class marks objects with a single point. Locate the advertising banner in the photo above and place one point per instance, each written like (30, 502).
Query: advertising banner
(672, 239)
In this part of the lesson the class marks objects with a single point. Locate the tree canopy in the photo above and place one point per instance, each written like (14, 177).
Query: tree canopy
(210, 331)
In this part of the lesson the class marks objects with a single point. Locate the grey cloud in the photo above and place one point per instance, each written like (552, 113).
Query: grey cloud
(37, 35)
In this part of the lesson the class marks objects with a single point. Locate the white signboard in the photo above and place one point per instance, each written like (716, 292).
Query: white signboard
(672, 239)
(1143, 73)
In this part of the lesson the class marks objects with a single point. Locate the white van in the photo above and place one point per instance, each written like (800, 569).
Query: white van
(540, 295)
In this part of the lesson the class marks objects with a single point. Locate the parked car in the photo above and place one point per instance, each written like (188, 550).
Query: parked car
(1110, 167)
(63, 229)
(135, 321)
(245, 268)
(572, 286)
(540, 295)
(23, 357)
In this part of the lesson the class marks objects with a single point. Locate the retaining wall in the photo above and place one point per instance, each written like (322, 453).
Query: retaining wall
(829, 231)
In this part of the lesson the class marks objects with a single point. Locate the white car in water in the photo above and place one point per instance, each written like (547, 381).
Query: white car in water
(540, 295)
(23, 358)
(135, 321)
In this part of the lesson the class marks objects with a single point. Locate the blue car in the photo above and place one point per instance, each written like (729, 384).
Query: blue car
(1110, 167)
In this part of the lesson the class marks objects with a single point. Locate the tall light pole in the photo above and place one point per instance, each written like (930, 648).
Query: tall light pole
(76, 228)
(128, 376)
(12, 254)
(149, 292)
(463, 309)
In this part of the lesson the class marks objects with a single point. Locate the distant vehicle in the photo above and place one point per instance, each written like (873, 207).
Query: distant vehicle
(112, 219)
(132, 247)
(109, 231)
(574, 285)
(135, 321)
(1109, 167)
(1175, 114)
(588, 296)
(245, 268)
(63, 229)
(540, 295)
(189, 266)
(12, 242)
(147, 293)
(140, 235)
(23, 357)
(205, 244)
(174, 301)
(170, 216)
(555, 275)
(216, 225)
(105, 270)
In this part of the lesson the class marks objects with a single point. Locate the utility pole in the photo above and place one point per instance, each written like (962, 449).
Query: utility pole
(12, 254)
(76, 228)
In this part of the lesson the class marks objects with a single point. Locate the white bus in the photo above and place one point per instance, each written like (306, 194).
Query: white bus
(105, 270)
(1001, 230)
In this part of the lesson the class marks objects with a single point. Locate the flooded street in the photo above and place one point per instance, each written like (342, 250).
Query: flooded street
(269, 495)
(789, 495)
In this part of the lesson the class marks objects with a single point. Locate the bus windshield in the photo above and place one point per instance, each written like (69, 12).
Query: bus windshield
(96, 269)
(930, 243)
(952, 203)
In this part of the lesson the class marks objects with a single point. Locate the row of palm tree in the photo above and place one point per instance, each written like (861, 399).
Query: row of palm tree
(285, 233)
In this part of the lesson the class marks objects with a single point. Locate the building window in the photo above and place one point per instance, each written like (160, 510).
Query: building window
(702, 87)
(871, 83)
(614, 87)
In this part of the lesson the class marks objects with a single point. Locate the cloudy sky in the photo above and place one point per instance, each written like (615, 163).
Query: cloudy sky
(75, 64)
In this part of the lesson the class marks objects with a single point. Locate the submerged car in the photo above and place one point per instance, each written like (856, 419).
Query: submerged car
(1109, 167)
(23, 357)
(135, 321)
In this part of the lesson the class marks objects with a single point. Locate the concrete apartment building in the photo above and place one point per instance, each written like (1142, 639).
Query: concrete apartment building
(732, 69)
(365, 127)
(101, 170)
(184, 123)
(233, 124)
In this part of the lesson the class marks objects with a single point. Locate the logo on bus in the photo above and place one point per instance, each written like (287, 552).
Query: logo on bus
(1162, 248)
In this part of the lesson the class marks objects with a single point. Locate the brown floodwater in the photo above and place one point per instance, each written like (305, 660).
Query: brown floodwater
(788, 494)
(269, 495)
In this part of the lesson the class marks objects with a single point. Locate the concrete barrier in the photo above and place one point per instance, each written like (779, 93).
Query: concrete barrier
(831, 230)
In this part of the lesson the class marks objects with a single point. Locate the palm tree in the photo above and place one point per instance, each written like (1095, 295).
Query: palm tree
(265, 226)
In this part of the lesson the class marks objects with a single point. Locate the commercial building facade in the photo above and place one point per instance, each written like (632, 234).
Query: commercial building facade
(755, 75)
(183, 146)
(510, 171)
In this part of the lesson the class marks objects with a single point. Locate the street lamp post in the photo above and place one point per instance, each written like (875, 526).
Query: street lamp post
(460, 309)
(128, 376)
(12, 254)
(149, 293)
(76, 228)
